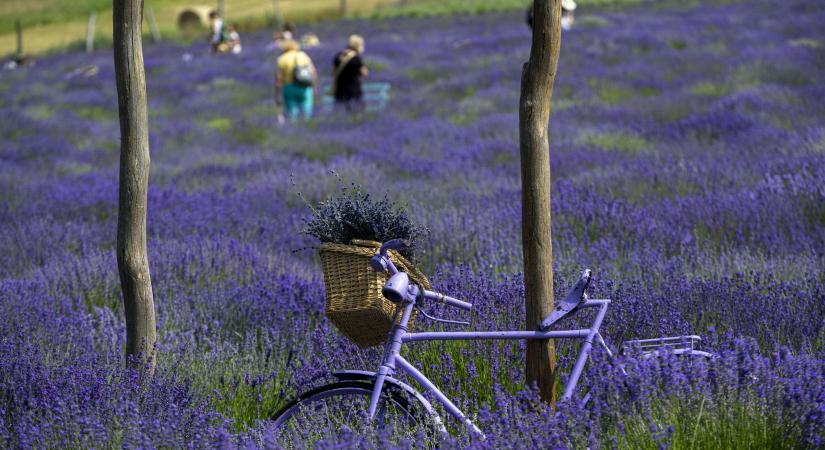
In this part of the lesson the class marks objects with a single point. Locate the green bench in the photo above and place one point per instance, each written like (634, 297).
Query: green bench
(376, 96)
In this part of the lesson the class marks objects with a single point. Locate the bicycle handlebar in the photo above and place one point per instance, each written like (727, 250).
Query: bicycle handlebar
(382, 262)
(432, 295)
(393, 244)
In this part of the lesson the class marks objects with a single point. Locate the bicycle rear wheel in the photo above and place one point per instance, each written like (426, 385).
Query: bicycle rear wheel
(343, 406)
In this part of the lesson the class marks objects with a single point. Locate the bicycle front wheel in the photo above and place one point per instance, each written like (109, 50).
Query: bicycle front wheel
(344, 406)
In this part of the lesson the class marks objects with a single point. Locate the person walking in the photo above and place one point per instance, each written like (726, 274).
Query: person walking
(348, 70)
(567, 17)
(295, 81)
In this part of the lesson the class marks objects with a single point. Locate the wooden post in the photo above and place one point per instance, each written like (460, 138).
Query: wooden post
(90, 32)
(132, 260)
(537, 79)
(153, 26)
(343, 8)
(18, 29)
(279, 17)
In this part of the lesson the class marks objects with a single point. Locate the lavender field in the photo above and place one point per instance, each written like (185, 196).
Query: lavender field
(688, 171)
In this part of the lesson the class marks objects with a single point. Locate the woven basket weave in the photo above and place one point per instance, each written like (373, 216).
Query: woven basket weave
(354, 301)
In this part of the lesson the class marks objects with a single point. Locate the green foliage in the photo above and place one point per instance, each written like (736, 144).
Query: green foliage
(42, 13)
(66, 17)
(710, 89)
(612, 94)
(764, 72)
(39, 112)
(471, 108)
(677, 44)
(246, 381)
(591, 21)
(247, 134)
(222, 124)
(702, 423)
(805, 42)
(423, 75)
(717, 48)
(95, 113)
(425, 8)
(621, 141)
(102, 296)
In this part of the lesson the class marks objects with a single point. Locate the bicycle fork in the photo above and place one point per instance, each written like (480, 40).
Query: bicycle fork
(392, 357)
(391, 351)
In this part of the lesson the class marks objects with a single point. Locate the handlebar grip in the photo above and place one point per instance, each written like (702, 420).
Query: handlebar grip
(394, 244)
(448, 300)
(458, 303)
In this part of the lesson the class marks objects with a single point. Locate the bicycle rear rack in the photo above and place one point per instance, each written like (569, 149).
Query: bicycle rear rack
(649, 347)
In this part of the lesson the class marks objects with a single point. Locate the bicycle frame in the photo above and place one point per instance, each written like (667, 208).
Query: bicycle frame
(400, 290)
(399, 335)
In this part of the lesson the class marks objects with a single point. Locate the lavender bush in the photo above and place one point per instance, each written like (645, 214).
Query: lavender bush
(688, 159)
(353, 214)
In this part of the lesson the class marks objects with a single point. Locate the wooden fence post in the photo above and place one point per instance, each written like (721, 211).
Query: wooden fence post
(279, 17)
(18, 29)
(153, 26)
(90, 32)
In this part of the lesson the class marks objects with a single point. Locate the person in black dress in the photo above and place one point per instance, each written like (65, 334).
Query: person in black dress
(567, 15)
(348, 70)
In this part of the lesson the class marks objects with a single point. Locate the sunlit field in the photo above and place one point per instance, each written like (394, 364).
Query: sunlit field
(688, 172)
(58, 25)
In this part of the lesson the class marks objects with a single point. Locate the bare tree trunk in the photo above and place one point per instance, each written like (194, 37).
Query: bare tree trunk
(132, 260)
(534, 112)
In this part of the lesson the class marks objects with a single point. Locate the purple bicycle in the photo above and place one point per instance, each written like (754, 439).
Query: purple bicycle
(366, 398)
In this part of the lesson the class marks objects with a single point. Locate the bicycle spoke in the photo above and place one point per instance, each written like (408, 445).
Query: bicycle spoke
(329, 411)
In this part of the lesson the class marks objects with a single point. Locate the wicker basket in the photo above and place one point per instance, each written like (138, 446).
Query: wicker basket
(354, 301)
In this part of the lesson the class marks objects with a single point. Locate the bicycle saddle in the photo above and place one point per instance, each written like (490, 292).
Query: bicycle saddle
(576, 297)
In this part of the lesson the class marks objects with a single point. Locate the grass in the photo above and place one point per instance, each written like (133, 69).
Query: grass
(710, 89)
(441, 7)
(805, 42)
(765, 72)
(46, 12)
(95, 113)
(39, 112)
(222, 124)
(612, 94)
(60, 25)
(700, 423)
(620, 141)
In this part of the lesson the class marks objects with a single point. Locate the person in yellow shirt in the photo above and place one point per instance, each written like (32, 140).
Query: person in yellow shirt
(295, 81)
